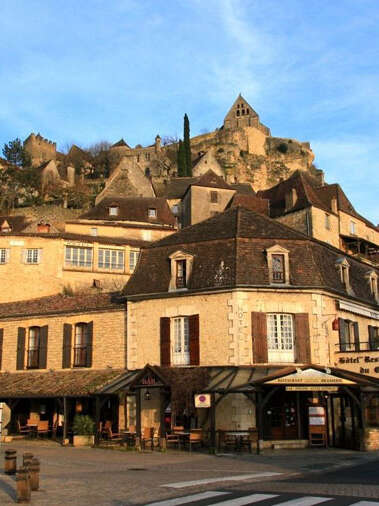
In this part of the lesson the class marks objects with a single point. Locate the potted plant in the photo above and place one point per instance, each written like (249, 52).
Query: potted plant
(83, 428)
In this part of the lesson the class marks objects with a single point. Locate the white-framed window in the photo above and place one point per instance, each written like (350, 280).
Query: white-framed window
(80, 345)
(278, 264)
(76, 256)
(113, 210)
(111, 259)
(94, 231)
(352, 228)
(180, 340)
(33, 348)
(133, 258)
(152, 212)
(33, 256)
(280, 338)
(4, 255)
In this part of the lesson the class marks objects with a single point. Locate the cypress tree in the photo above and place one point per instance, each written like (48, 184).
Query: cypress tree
(181, 158)
(187, 145)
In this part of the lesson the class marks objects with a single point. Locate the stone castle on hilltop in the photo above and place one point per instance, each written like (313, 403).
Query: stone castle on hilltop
(241, 151)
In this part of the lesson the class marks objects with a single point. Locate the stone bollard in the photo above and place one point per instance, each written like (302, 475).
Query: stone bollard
(23, 485)
(162, 444)
(10, 463)
(138, 444)
(34, 469)
(27, 458)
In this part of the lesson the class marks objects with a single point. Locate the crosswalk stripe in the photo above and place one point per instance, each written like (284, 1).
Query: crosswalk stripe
(240, 477)
(188, 498)
(247, 499)
(365, 503)
(305, 501)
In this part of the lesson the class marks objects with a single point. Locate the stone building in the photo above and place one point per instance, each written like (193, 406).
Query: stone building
(248, 298)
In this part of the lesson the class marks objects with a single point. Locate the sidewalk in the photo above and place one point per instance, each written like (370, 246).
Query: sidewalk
(88, 477)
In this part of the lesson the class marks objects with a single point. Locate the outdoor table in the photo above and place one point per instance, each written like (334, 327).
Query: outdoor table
(33, 429)
(128, 437)
(238, 436)
(183, 436)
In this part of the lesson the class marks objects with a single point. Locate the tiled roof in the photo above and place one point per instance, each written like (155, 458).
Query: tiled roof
(17, 223)
(120, 143)
(229, 250)
(250, 202)
(56, 383)
(211, 180)
(243, 188)
(175, 188)
(85, 302)
(132, 209)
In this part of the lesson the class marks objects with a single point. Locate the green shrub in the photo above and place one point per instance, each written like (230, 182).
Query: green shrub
(83, 425)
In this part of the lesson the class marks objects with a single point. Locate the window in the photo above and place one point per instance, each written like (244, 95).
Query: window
(146, 235)
(32, 256)
(181, 347)
(4, 255)
(348, 335)
(238, 112)
(352, 228)
(181, 272)
(80, 345)
(373, 282)
(133, 258)
(175, 209)
(278, 264)
(280, 338)
(33, 349)
(373, 338)
(214, 197)
(152, 213)
(343, 265)
(78, 257)
(113, 211)
(278, 268)
(94, 231)
(111, 259)
(327, 221)
(147, 156)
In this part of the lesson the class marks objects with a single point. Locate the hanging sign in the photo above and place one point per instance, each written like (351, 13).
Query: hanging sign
(202, 401)
(312, 389)
(310, 377)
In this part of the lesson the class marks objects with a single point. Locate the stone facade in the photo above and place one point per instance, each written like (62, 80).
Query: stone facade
(40, 150)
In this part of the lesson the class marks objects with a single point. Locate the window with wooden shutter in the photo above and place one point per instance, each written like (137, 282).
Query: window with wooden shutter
(280, 338)
(165, 342)
(356, 336)
(20, 348)
(302, 338)
(42, 362)
(259, 337)
(1, 347)
(89, 344)
(67, 338)
(373, 338)
(33, 347)
(343, 330)
(194, 340)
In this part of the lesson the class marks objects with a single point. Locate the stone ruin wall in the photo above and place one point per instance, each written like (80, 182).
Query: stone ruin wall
(40, 149)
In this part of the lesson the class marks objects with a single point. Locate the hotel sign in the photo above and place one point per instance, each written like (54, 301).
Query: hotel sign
(357, 309)
(309, 377)
(312, 388)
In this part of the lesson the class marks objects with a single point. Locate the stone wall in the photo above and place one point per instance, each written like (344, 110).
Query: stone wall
(108, 338)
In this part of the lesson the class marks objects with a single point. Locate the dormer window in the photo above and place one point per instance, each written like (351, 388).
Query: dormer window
(278, 265)
(113, 210)
(152, 212)
(181, 267)
(214, 197)
(344, 268)
(181, 280)
(5, 227)
(373, 282)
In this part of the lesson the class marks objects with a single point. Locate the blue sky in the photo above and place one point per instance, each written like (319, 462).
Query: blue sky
(101, 70)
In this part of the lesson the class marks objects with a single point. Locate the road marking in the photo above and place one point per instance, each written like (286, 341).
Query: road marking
(365, 503)
(247, 499)
(240, 477)
(305, 501)
(188, 498)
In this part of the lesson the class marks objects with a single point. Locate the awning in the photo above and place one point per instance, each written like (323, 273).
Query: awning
(55, 383)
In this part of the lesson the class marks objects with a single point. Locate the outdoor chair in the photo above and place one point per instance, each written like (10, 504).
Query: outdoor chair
(108, 433)
(195, 439)
(42, 427)
(23, 429)
(173, 439)
(177, 428)
(148, 437)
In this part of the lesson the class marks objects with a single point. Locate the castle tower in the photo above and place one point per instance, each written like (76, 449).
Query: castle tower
(157, 143)
(40, 150)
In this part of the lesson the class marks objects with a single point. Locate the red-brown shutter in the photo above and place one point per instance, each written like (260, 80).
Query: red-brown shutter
(67, 338)
(165, 342)
(193, 324)
(89, 332)
(259, 337)
(302, 338)
(20, 348)
(1, 346)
